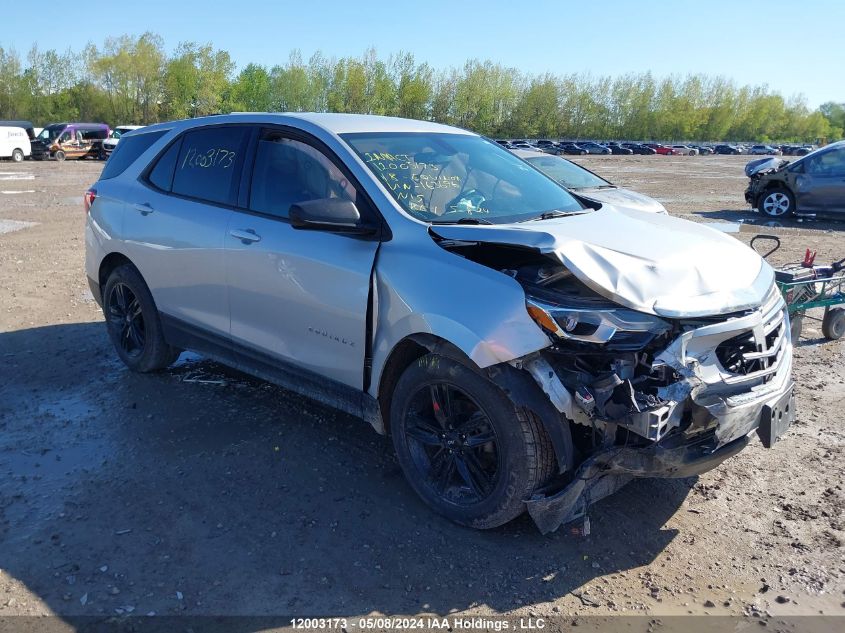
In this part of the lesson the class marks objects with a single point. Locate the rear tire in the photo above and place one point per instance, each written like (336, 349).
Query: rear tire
(133, 322)
(833, 324)
(17, 156)
(464, 447)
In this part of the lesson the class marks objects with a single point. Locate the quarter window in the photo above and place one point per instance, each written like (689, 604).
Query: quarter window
(208, 165)
(161, 176)
(287, 172)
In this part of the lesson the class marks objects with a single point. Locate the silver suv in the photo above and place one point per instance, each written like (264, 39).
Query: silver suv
(525, 348)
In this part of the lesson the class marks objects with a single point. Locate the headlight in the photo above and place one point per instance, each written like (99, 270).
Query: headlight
(618, 327)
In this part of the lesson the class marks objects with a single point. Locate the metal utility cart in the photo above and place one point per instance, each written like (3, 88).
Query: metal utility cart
(805, 285)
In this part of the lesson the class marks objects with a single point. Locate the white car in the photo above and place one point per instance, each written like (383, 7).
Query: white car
(111, 142)
(14, 143)
(587, 184)
(684, 150)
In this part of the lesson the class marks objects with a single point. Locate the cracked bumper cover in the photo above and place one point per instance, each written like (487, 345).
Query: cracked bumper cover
(732, 406)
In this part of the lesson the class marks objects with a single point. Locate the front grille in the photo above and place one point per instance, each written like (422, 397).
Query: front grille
(756, 353)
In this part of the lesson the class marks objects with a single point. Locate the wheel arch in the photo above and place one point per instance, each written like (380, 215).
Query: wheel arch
(108, 264)
(403, 354)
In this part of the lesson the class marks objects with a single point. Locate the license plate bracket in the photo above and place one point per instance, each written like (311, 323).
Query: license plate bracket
(776, 419)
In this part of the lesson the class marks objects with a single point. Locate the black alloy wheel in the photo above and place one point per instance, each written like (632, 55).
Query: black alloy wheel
(452, 443)
(126, 317)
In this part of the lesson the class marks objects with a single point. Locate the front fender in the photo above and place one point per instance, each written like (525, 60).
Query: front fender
(427, 290)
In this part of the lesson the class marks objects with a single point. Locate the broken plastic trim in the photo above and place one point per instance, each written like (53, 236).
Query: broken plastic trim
(606, 472)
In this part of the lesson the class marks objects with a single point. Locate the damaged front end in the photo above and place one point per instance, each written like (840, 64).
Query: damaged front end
(646, 395)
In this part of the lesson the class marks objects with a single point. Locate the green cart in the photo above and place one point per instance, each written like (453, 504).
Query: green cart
(805, 285)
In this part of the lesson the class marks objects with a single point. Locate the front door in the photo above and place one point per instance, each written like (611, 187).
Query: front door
(296, 296)
(821, 186)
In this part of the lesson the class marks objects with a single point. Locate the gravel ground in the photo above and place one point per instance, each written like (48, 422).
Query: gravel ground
(202, 491)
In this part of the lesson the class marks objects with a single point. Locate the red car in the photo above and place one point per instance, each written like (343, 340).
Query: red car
(661, 149)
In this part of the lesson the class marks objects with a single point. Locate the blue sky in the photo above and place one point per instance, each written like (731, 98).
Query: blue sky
(794, 47)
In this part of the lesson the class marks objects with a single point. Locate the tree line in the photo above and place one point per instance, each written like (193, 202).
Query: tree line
(132, 80)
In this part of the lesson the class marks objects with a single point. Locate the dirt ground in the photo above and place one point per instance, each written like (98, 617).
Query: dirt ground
(201, 491)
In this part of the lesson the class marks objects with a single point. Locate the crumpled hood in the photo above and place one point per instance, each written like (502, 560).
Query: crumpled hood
(765, 165)
(622, 199)
(653, 263)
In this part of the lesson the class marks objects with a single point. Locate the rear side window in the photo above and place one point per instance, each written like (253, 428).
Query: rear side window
(128, 151)
(208, 166)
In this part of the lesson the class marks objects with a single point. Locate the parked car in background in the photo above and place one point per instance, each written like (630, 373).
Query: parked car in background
(639, 148)
(111, 142)
(617, 150)
(593, 148)
(71, 140)
(588, 184)
(569, 148)
(14, 143)
(704, 150)
(525, 351)
(814, 184)
(763, 150)
(661, 149)
(685, 150)
(726, 149)
(522, 144)
(26, 126)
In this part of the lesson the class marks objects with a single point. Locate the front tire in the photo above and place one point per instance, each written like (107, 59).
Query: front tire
(464, 447)
(59, 155)
(133, 322)
(777, 203)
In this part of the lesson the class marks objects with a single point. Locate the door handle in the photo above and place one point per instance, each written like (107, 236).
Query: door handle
(247, 236)
(144, 208)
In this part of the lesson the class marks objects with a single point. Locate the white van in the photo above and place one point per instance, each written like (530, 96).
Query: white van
(14, 143)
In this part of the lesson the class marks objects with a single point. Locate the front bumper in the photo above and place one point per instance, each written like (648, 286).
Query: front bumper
(606, 472)
(707, 416)
(674, 457)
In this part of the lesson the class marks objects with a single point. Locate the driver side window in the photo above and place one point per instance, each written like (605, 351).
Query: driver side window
(830, 163)
(287, 172)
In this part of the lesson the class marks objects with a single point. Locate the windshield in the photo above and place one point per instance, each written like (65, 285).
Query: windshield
(51, 132)
(568, 174)
(455, 177)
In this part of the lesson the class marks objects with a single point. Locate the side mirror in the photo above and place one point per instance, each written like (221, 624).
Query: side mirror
(328, 214)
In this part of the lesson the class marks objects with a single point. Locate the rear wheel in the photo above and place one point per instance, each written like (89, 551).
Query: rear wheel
(17, 155)
(133, 322)
(463, 446)
(833, 324)
(777, 203)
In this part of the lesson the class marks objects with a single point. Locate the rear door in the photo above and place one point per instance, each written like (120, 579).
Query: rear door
(298, 299)
(177, 225)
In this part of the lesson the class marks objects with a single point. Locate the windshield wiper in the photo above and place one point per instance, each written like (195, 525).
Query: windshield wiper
(550, 215)
(466, 221)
